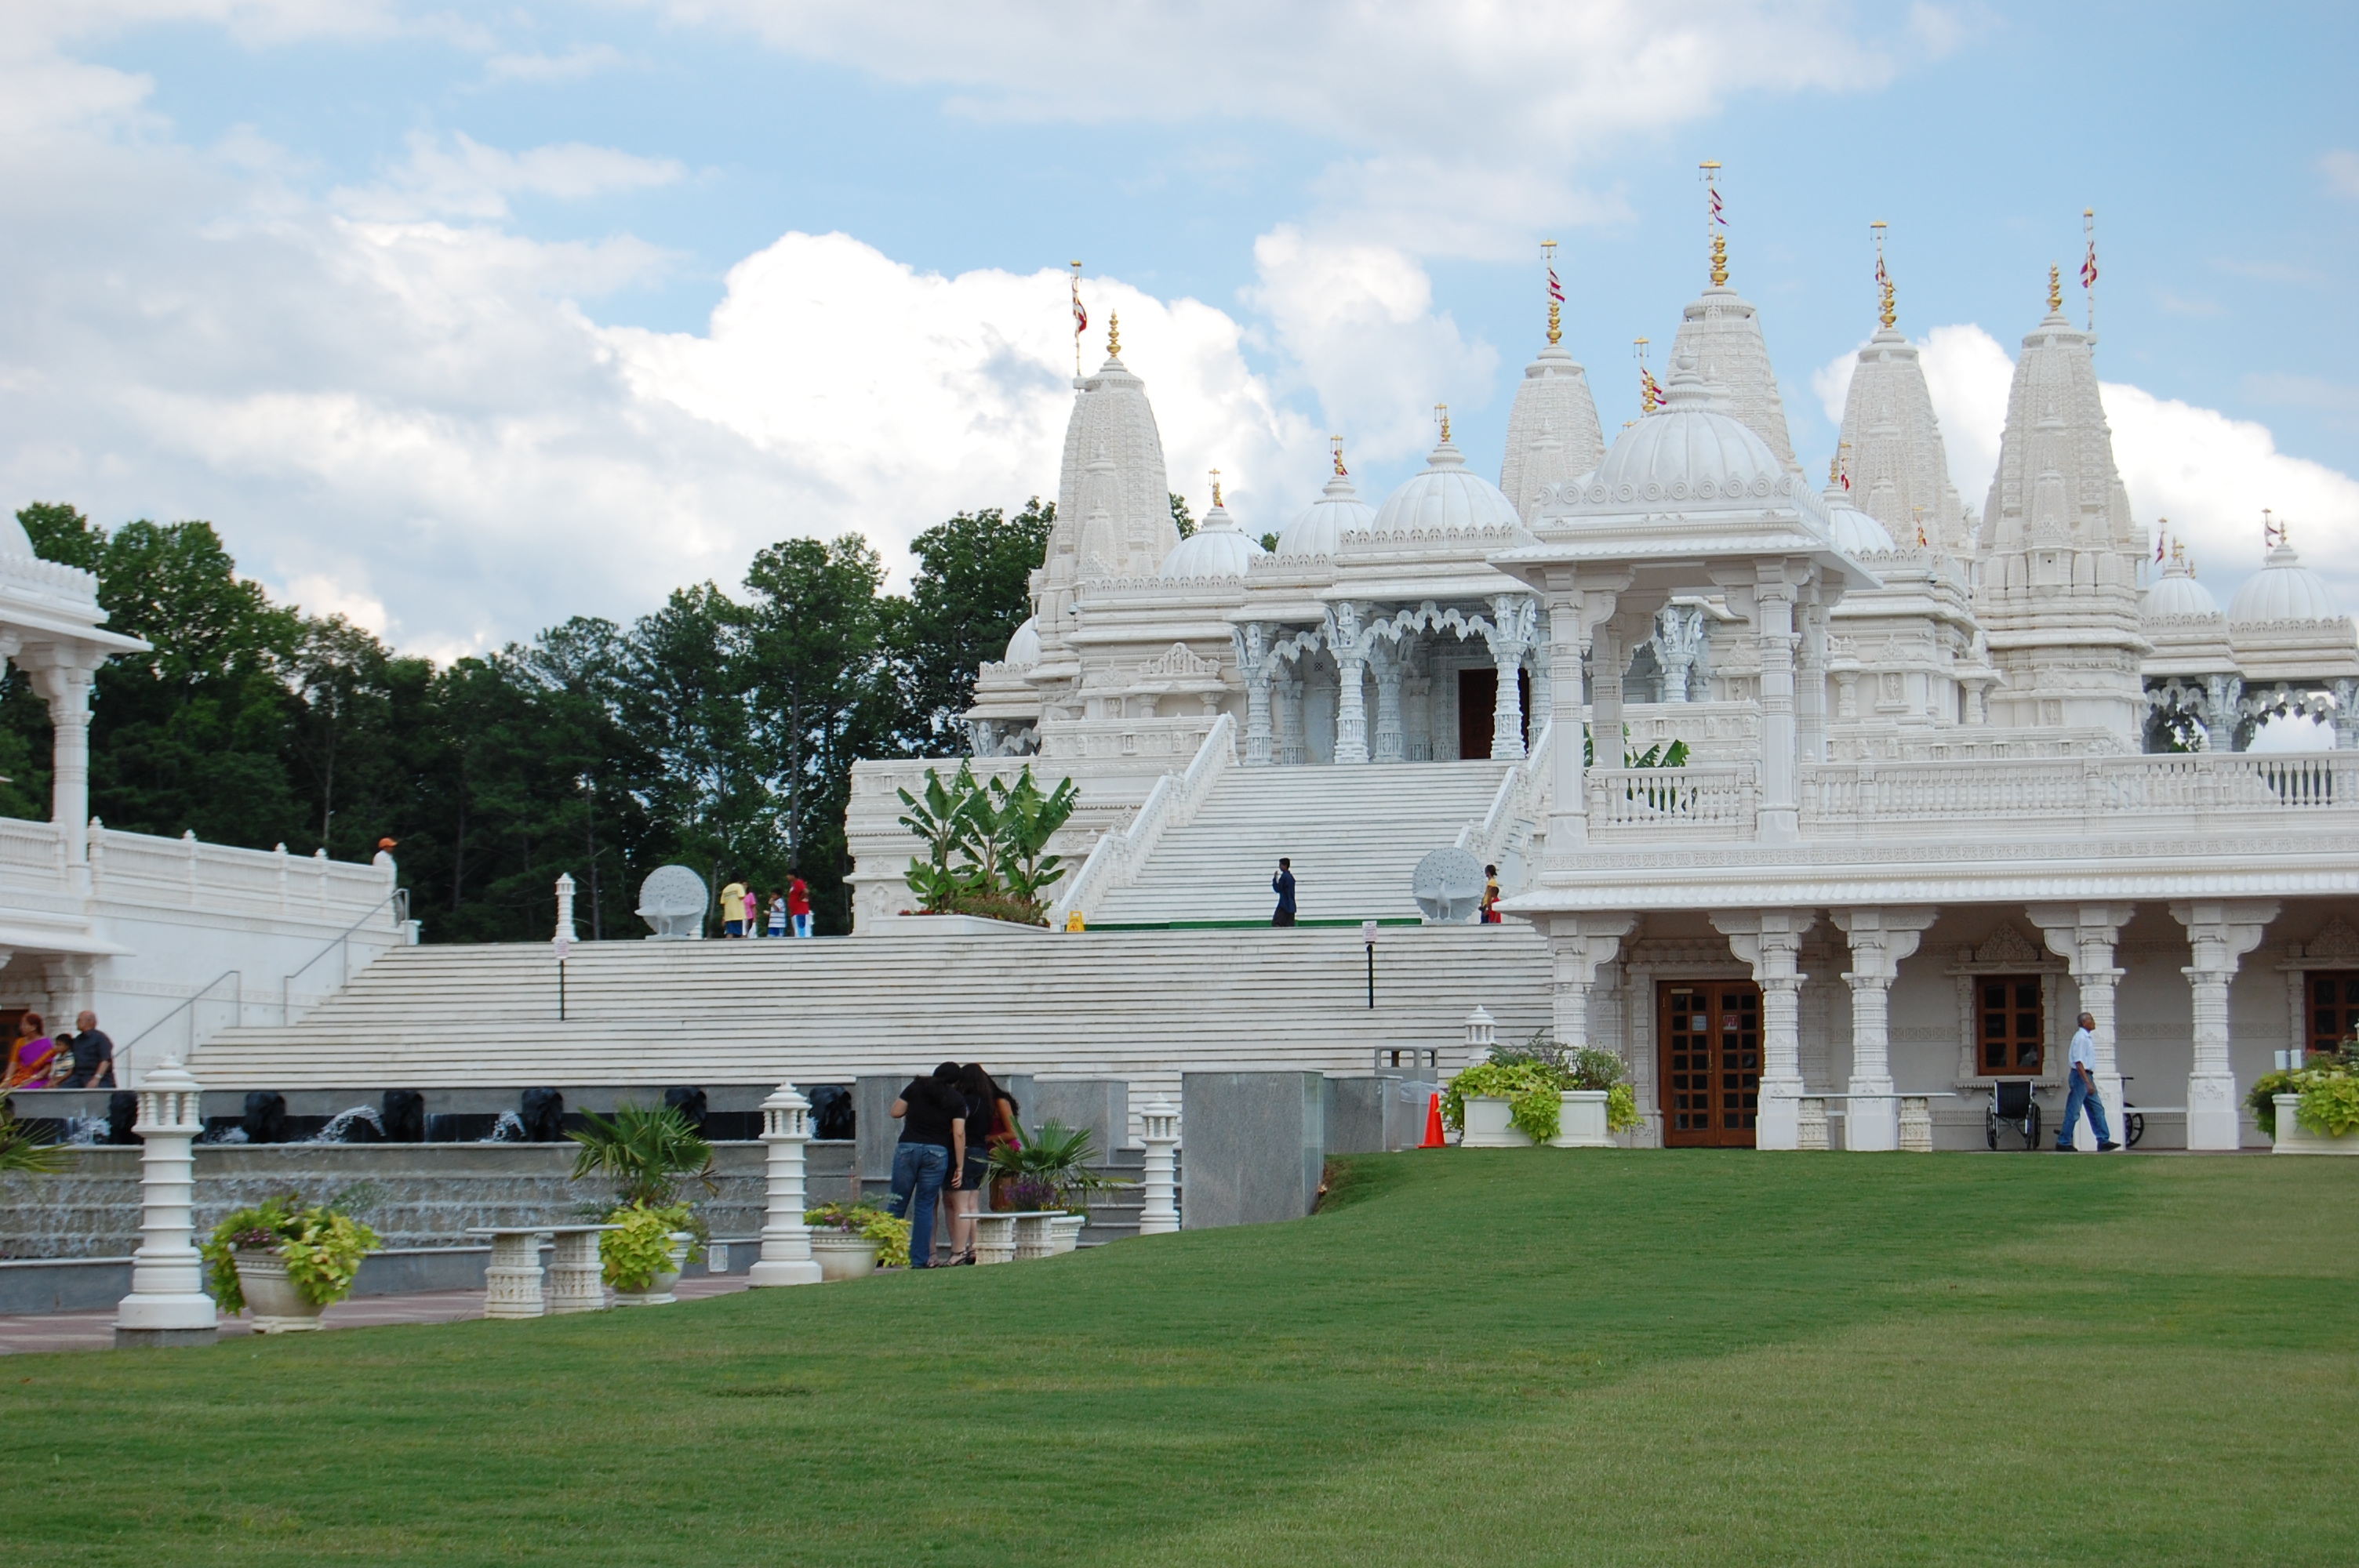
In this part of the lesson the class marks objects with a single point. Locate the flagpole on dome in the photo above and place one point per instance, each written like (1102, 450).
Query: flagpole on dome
(2089, 268)
(1080, 320)
(1715, 226)
(1556, 295)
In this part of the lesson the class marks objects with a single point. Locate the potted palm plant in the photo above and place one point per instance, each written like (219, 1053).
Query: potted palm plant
(650, 1151)
(1049, 1168)
(287, 1261)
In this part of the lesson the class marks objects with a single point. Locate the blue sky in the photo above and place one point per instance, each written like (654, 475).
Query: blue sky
(420, 311)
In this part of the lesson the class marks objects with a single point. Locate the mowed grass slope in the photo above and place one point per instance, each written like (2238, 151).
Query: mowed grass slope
(1470, 1358)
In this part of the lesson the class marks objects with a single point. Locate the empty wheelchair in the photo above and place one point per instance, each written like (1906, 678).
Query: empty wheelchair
(2013, 1107)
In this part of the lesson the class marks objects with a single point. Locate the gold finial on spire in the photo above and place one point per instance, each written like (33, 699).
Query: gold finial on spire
(1715, 223)
(1216, 487)
(1336, 442)
(1650, 394)
(1113, 334)
(2055, 289)
(1442, 412)
(1556, 294)
(1883, 278)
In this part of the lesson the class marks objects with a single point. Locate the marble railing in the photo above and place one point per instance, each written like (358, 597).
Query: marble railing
(1115, 860)
(1517, 809)
(152, 872)
(2176, 792)
(1700, 801)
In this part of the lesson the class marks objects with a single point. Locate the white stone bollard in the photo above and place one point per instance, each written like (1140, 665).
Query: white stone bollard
(168, 1304)
(1158, 1216)
(1482, 1034)
(786, 1240)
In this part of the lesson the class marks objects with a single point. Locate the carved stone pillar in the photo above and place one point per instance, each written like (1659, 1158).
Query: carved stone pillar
(1773, 635)
(1350, 710)
(1348, 639)
(1579, 945)
(2083, 935)
(1160, 1135)
(62, 673)
(1510, 639)
(1568, 829)
(1608, 659)
(1384, 666)
(1770, 941)
(1253, 665)
(1880, 939)
(1811, 688)
(1678, 639)
(2218, 934)
(1290, 751)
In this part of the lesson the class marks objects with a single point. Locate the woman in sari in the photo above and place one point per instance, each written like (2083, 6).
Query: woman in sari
(31, 1056)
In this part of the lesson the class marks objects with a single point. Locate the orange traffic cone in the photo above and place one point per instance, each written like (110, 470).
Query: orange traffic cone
(1432, 1122)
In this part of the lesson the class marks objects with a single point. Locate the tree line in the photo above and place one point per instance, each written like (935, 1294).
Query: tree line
(718, 731)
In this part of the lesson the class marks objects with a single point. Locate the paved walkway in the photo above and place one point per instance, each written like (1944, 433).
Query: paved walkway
(95, 1330)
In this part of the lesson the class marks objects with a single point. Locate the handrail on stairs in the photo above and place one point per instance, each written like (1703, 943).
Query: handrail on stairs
(1114, 859)
(341, 942)
(1525, 784)
(188, 1005)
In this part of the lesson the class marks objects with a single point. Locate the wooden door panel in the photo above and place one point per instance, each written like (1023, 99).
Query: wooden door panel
(1710, 1063)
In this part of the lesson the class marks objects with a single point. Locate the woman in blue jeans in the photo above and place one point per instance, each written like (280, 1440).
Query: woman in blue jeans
(933, 1149)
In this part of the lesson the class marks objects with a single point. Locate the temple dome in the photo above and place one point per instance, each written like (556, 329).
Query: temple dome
(2284, 589)
(1337, 511)
(1024, 648)
(14, 540)
(2177, 594)
(1854, 532)
(1446, 495)
(1217, 548)
(1690, 449)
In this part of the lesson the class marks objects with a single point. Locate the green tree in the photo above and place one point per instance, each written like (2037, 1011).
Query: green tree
(971, 592)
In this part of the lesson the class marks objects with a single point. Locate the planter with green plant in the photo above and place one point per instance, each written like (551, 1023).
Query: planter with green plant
(286, 1262)
(645, 1251)
(1538, 1092)
(650, 1153)
(1049, 1168)
(2314, 1108)
(851, 1239)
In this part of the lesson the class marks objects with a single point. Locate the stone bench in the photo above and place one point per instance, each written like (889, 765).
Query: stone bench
(512, 1286)
(1011, 1237)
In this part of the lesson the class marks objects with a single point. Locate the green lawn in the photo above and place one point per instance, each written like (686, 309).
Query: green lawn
(1470, 1358)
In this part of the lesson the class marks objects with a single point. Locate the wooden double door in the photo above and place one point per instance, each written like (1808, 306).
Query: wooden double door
(1711, 1062)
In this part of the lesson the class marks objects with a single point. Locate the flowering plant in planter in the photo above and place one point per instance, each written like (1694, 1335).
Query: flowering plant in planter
(321, 1246)
(2328, 1087)
(866, 1220)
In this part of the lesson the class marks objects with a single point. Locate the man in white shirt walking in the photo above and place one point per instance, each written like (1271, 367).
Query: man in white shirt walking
(2082, 1064)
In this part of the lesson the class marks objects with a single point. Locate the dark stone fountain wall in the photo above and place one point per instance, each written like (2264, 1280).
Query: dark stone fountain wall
(428, 1194)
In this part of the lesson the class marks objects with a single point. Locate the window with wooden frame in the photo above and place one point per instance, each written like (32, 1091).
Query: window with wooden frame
(2333, 1008)
(2011, 1026)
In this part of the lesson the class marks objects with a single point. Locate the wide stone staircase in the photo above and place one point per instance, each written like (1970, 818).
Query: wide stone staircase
(1354, 834)
(1143, 1006)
